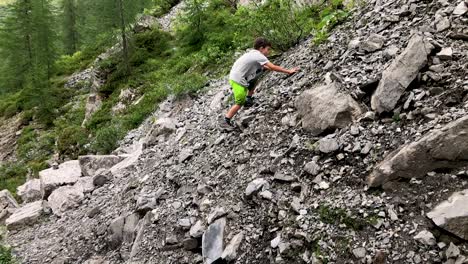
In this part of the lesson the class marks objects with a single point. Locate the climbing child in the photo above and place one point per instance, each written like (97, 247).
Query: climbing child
(244, 73)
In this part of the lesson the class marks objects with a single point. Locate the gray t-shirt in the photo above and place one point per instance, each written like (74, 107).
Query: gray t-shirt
(245, 68)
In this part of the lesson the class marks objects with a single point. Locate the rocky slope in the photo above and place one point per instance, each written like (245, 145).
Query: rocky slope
(382, 104)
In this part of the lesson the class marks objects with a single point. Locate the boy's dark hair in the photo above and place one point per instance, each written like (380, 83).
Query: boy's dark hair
(261, 43)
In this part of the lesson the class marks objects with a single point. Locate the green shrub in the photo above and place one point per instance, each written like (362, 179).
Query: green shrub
(106, 139)
(12, 174)
(5, 255)
(71, 141)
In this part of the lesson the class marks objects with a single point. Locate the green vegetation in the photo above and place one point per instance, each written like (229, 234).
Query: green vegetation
(153, 64)
(5, 251)
(339, 216)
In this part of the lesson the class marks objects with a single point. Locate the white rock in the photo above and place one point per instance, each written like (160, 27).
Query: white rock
(230, 252)
(28, 214)
(65, 198)
(254, 186)
(426, 238)
(30, 191)
(68, 173)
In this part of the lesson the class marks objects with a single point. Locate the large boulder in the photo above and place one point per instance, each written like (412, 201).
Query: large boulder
(442, 148)
(64, 198)
(92, 163)
(399, 75)
(8, 205)
(67, 174)
(324, 107)
(163, 126)
(28, 214)
(452, 214)
(30, 191)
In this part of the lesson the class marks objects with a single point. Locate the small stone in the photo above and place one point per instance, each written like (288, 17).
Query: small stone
(460, 9)
(254, 186)
(393, 215)
(284, 247)
(328, 145)
(426, 238)
(184, 223)
(354, 130)
(172, 240)
(197, 229)
(266, 195)
(275, 242)
(323, 185)
(283, 178)
(216, 214)
(230, 252)
(452, 251)
(359, 252)
(442, 24)
(312, 168)
(445, 54)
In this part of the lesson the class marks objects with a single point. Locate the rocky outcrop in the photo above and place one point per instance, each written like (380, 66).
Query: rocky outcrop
(30, 191)
(324, 108)
(442, 148)
(452, 214)
(8, 205)
(67, 173)
(28, 214)
(93, 104)
(400, 74)
(92, 163)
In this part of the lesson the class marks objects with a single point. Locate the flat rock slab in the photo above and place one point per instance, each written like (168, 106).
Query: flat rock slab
(90, 164)
(30, 191)
(324, 108)
(442, 148)
(65, 198)
(67, 174)
(163, 126)
(28, 214)
(452, 214)
(212, 241)
(399, 75)
(128, 161)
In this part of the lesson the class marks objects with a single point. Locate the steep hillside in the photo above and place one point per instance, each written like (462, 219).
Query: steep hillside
(346, 161)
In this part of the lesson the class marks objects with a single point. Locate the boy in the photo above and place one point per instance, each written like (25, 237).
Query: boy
(244, 73)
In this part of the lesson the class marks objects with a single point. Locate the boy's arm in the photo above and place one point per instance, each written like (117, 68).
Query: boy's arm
(270, 66)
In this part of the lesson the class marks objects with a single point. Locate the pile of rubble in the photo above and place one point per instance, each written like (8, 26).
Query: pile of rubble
(359, 158)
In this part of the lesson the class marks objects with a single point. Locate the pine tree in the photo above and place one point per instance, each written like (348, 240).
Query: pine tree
(70, 27)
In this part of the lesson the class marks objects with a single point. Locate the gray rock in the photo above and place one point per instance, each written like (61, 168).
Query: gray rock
(212, 241)
(65, 198)
(93, 104)
(442, 148)
(398, 76)
(96, 260)
(85, 184)
(452, 251)
(129, 227)
(8, 205)
(68, 173)
(163, 126)
(359, 252)
(197, 229)
(129, 160)
(122, 230)
(185, 154)
(445, 54)
(281, 177)
(30, 191)
(254, 186)
(216, 102)
(324, 107)
(328, 145)
(92, 163)
(460, 9)
(312, 168)
(426, 238)
(230, 252)
(373, 43)
(27, 214)
(442, 23)
(145, 23)
(266, 195)
(452, 214)
(102, 177)
(217, 213)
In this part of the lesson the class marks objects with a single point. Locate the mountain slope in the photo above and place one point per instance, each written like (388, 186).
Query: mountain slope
(147, 212)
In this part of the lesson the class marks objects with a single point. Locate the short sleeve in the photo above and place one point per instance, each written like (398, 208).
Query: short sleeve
(262, 59)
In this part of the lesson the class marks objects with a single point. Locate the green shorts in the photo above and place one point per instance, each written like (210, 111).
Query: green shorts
(240, 92)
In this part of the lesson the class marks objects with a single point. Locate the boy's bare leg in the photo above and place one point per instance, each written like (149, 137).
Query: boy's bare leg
(233, 111)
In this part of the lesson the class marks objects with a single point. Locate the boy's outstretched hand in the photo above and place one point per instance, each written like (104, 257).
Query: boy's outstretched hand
(294, 70)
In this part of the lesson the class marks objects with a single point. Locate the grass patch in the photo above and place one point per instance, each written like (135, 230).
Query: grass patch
(337, 216)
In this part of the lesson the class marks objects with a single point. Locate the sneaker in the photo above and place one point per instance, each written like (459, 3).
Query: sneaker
(249, 102)
(225, 125)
